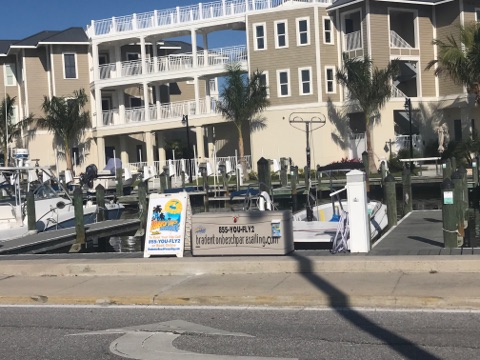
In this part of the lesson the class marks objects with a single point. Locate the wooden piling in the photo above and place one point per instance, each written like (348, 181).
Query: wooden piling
(205, 188)
(283, 172)
(182, 176)
(119, 182)
(264, 175)
(79, 221)
(293, 185)
(383, 171)
(31, 215)
(366, 168)
(448, 214)
(390, 198)
(100, 200)
(407, 191)
(458, 197)
(447, 169)
(143, 207)
(453, 162)
(463, 172)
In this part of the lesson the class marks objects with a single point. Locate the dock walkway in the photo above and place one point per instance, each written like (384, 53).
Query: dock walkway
(57, 239)
(418, 233)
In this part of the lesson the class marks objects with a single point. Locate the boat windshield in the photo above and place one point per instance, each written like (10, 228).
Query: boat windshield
(44, 191)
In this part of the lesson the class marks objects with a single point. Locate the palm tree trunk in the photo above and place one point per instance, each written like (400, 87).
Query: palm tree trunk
(371, 160)
(242, 153)
(67, 155)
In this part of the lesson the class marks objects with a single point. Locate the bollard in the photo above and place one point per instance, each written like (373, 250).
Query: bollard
(32, 218)
(447, 169)
(119, 182)
(100, 199)
(448, 214)
(264, 175)
(458, 195)
(407, 191)
(79, 222)
(390, 198)
(359, 223)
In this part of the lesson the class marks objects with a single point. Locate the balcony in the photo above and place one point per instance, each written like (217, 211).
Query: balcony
(215, 58)
(163, 112)
(184, 15)
(353, 40)
(396, 41)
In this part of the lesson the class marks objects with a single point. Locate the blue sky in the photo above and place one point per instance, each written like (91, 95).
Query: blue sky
(22, 18)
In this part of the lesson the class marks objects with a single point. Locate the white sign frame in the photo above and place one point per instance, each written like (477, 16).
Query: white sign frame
(166, 224)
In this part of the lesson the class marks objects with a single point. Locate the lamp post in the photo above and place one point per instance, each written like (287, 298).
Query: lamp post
(187, 127)
(408, 109)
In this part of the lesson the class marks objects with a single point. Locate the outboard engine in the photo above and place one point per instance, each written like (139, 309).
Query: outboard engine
(91, 173)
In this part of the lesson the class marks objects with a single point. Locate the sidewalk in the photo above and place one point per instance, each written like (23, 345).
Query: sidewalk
(430, 282)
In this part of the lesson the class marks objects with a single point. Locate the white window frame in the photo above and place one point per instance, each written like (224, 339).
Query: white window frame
(76, 65)
(265, 73)
(14, 118)
(332, 39)
(300, 81)
(298, 20)
(277, 44)
(279, 85)
(332, 80)
(255, 42)
(13, 69)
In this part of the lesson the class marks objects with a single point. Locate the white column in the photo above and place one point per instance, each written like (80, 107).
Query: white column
(197, 94)
(146, 101)
(157, 102)
(210, 141)
(149, 141)
(205, 49)
(162, 155)
(96, 74)
(194, 47)
(155, 55)
(358, 215)
(118, 61)
(98, 107)
(143, 54)
(101, 152)
(200, 147)
(121, 107)
(123, 150)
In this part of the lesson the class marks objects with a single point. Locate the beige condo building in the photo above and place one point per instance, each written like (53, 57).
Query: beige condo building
(144, 77)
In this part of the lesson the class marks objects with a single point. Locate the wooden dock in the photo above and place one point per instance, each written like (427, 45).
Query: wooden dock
(49, 241)
(418, 233)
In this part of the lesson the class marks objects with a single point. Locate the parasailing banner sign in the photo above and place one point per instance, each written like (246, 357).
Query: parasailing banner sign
(166, 224)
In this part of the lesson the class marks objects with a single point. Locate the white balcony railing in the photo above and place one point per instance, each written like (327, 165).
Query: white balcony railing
(184, 15)
(396, 41)
(353, 40)
(174, 110)
(176, 62)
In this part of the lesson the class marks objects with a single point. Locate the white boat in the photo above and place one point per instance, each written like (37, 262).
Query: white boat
(52, 210)
(107, 178)
(327, 221)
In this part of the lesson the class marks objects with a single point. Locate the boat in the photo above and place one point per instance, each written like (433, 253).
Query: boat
(330, 222)
(92, 177)
(54, 208)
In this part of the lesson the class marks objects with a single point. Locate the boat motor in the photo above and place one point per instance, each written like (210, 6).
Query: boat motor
(91, 173)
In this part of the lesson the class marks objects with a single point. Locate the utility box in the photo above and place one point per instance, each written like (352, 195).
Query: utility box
(242, 233)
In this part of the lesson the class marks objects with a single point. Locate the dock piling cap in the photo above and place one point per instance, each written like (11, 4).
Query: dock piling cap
(355, 176)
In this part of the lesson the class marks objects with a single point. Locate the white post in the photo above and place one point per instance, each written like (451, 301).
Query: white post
(358, 215)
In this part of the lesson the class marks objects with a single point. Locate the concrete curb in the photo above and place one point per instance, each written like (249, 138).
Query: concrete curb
(390, 302)
(241, 265)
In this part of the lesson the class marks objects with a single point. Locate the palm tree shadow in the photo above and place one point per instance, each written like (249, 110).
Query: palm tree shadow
(339, 301)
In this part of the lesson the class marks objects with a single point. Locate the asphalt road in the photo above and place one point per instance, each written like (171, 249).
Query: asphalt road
(41, 332)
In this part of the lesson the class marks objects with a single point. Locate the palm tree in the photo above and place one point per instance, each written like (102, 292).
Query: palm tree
(370, 87)
(66, 119)
(459, 57)
(242, 101)
(9, 129)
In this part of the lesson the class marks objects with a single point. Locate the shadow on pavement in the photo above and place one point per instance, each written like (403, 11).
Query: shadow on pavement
(427, 241)
(339, 302)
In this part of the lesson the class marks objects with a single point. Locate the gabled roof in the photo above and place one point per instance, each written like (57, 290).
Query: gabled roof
(5, 46)
(342, 3)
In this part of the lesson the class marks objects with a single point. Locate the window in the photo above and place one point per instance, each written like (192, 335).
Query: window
(133, 56)
(70, 66)
(330, 86)
(10, 75)
(283, 83)
(135, 102)
(327, 31)
(14, 116)
(281, 35)
(260, 37)
(264, 81)
(303, 36)
(75, 156)
(102, 59)
(305, 81)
